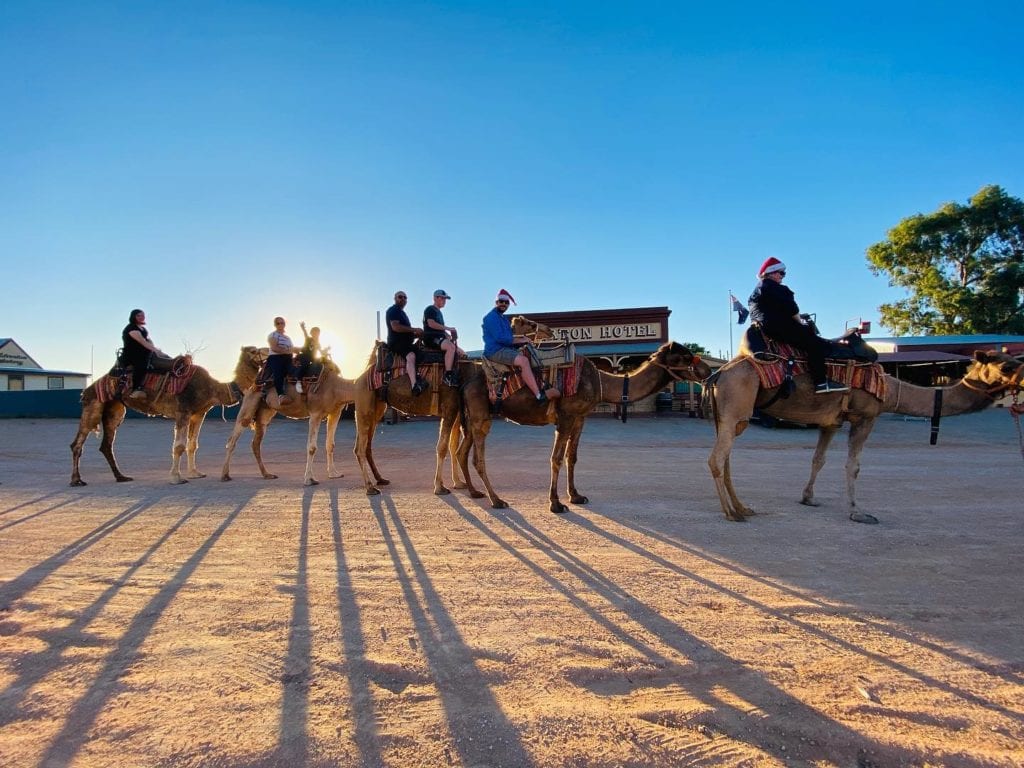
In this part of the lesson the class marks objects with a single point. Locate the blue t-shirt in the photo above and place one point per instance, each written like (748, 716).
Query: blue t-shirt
(497, 332)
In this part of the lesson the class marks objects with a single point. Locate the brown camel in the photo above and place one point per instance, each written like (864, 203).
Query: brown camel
(331, 396)
(737, 390)
(370, 409)
(672, 362)
(188, 409)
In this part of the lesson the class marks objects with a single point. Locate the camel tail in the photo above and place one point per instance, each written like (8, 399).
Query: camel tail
(708, 396)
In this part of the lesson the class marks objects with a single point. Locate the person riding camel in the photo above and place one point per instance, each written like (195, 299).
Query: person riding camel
(280, 358)
(401, 337)
(310, 353)
(136, 351)
(773, 308)
(438, 336)
(502, 346)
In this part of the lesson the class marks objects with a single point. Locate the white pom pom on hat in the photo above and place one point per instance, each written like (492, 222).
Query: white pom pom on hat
(771, 264)
(504, 295)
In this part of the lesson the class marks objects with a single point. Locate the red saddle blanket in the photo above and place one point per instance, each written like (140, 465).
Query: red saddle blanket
(771, 369)
(431, 372)
(566, 381)
(156, 384)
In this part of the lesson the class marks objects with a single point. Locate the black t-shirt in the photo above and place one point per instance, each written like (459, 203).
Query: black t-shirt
(772, 305)
(133, 350)
(400, 341)
(432, 334)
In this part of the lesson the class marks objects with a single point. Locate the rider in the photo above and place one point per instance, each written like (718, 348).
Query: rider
(280, 358)
(309, 353)
(136, 349)
(401, 336)
(773, 308)
(437, 335)
(502, 346)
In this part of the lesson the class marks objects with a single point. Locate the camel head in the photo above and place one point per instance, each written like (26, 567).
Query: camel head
(680, 362)
(995, 373)
(249, 361)
(534, 331)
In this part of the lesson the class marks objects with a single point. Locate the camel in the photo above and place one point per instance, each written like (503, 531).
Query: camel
(188, 409)
(370, 409)
(331, 396)
(671, 362)
(737, 390)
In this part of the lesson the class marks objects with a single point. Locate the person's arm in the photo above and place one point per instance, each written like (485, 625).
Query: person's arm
(137, 335)
(431, 322)
(275, 345)
(305, 336)
(398, 327)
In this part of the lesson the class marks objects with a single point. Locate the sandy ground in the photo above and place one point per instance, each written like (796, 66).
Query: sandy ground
(260, 623)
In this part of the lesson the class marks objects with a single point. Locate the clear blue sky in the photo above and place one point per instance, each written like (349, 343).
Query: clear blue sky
(220, 163)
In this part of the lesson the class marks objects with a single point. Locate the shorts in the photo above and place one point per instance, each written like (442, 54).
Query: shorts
(433, 342)
(506, 355)
(401, 347)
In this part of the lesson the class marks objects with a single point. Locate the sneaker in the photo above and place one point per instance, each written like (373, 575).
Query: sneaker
(542, 397)
(298, 387)
(137, 393)
(830, 386)
(419, 386)
(451, 378)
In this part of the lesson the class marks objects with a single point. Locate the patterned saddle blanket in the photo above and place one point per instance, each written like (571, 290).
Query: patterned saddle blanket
(770, 365)
(172, 378)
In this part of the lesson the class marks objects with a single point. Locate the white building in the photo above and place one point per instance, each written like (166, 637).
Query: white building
(19, 372)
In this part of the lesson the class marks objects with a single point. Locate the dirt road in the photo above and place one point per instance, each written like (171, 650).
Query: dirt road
(260, 623)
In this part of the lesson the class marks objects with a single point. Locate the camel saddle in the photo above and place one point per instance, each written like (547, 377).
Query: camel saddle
(165, 375)
(849, 346)
(553, 366)
(311, 378)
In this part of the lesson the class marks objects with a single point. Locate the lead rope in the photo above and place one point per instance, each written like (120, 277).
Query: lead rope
(1015, 410)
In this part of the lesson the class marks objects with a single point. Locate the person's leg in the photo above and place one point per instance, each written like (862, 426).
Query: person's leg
(451, 377)
(410, 368)
(279, 364)
(526, 373)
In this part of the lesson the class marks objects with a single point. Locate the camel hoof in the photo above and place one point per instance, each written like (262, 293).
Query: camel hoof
(558, 508)
(863, 517)
(579, 499)
(499, 504)
(311, 481)
(736, 517)
(459, 486)
(810, 502)
(122, 479)
(270, 476)
(77, 483)
(472, 494)
(197, 475)
(179, 481)
(441, 491)
(225, 478)
(336, 475)
(382, 481)
(373, 492)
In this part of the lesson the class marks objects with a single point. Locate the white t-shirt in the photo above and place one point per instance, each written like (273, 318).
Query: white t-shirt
(281, 340)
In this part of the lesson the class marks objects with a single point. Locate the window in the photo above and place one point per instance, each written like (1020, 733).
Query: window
(15, 382)
(55, 382)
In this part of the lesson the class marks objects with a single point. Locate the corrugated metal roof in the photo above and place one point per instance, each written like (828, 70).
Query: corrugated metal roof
(932, 341)
(41, 372)
(922, 356)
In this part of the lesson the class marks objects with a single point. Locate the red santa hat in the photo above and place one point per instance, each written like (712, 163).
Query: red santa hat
(504, 295)
(771, 264)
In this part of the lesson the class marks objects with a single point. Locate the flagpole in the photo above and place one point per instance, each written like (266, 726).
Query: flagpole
(730, 325)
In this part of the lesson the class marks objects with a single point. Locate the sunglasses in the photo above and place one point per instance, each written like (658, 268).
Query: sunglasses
(501, 301)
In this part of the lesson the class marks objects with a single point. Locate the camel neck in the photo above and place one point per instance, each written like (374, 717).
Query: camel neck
(913, 400)
(643, 382)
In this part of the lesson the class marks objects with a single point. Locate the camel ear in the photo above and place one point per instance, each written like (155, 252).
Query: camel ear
(980, 356)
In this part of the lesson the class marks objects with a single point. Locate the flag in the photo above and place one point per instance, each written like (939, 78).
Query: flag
(740, 310)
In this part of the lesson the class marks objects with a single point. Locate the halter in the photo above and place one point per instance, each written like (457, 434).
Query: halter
(1013, 384)
(672, 369)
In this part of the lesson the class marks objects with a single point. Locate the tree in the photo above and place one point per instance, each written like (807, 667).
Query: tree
(696, 348)
(962, 264)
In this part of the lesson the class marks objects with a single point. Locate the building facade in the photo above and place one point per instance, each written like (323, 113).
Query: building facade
(19, 372)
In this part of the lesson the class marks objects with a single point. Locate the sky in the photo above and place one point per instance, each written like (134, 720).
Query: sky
(217, 164)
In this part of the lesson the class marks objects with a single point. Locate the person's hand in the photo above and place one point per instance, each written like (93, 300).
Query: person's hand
(417, 331)
(454, 333)
(302, 324)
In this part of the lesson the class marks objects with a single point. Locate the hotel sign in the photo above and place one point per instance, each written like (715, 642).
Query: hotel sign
(619, 332)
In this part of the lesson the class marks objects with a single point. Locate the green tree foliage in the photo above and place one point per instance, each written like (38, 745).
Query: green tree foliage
(696, 348)
(963, 266)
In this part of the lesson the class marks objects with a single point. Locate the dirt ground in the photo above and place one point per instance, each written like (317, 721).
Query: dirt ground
(260, 623)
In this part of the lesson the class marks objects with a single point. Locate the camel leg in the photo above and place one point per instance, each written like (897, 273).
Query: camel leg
(259, 429)
(460, 456)
(571, 455)
(858, 436)
(825, 435)
(454, 441)
(93, 414)
(178, 448)
(314, 433)
(558, 450)
(333, 419)
(479, 444)
(229, 449)
(194, 425)
(366, 421)
(718, 462)
(444, 436)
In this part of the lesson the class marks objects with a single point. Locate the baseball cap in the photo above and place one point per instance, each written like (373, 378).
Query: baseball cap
(440, 293)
